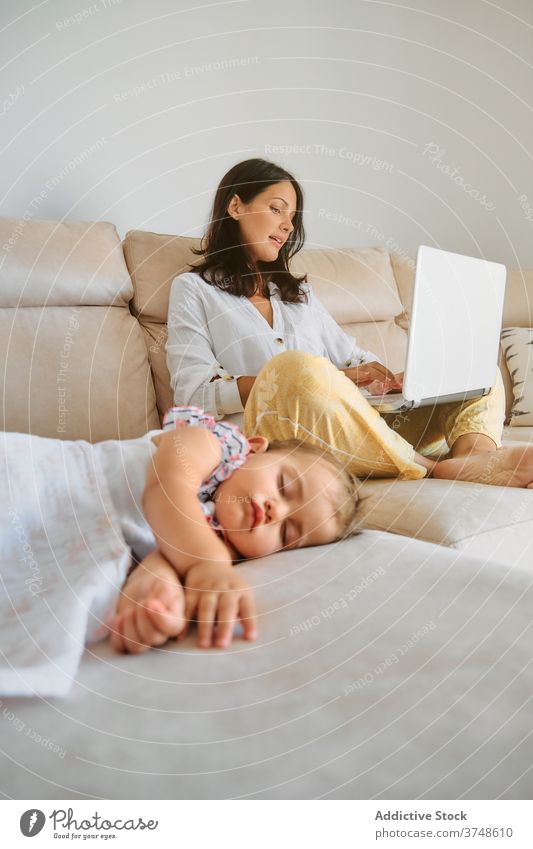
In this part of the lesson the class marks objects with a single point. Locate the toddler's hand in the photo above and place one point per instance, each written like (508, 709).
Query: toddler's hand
(216, 593)
(150, 609)
(146, 624)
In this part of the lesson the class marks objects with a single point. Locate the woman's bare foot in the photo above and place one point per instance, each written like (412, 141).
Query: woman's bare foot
(502, 467)
(151, 607)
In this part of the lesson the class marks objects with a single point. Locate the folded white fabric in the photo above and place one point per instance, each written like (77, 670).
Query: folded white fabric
(63, 561)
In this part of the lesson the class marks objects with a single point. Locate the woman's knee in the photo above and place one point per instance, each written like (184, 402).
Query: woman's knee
(293, 360)
(292, 378)
(300, 366)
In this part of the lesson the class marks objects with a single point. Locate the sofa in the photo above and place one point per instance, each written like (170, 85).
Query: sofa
(395, 664)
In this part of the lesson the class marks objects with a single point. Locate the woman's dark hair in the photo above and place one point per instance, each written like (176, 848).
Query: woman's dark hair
(225, 261)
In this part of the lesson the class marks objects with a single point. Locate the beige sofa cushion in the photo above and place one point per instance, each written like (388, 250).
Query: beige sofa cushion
(75, 373)
(404, 273)
(153, 261)
(491, 522)
(75, 362)
(384, 338)
(155, 337)
(62, 263)
(354, 285)
(518, 305)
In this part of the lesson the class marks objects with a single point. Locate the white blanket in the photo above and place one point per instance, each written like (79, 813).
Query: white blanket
(63, 561)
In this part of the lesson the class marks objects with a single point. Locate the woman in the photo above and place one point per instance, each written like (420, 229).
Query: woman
(247, 336)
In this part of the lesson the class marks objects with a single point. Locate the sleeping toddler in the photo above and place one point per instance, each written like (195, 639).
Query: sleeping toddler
(136, 538)
(203, 498)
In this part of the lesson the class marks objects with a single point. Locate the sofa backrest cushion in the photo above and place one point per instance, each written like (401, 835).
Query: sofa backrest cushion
(357, 287)
(385, 339)
(153, 261)
(62, 263)
(75, 362)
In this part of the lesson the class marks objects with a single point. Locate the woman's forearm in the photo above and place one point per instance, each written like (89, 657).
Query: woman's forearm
(245, 383)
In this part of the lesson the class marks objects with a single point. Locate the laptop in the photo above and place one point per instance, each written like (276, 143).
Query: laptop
(454, 331)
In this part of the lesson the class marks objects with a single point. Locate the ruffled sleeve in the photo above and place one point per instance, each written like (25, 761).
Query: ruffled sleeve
(234, 451)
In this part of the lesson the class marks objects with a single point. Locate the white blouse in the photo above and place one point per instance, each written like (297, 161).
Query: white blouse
(211, 332)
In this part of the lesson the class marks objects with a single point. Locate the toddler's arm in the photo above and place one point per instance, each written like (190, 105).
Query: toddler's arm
(184, 458)
(214, 591)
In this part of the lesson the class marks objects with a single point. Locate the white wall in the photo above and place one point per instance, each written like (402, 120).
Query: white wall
(133, 111)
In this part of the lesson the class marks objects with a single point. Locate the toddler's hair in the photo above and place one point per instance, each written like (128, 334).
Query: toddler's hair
(347, 508)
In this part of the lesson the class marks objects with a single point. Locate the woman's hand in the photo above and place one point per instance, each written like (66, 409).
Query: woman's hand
(217, 594)
(375, 377)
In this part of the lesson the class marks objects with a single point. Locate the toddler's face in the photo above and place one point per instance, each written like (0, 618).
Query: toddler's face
(278, 500)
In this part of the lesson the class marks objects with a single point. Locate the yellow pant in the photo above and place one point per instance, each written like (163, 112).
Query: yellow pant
(300, 395)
